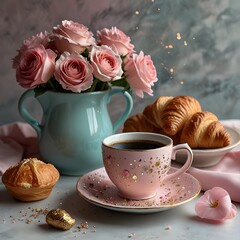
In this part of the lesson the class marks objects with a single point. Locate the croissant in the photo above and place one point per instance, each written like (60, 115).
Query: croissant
(181, 119)
(138, 123)
(203, 130)
(170, 113)
(153, 112)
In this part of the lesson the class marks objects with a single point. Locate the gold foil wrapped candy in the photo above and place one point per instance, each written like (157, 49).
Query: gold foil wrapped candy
(60, 219)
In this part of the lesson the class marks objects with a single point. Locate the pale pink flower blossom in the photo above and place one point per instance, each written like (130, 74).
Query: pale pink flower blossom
(35, 66)
(72, 37)
(107, 65)
(32, 42)
(73, 72)
(117, 38)
(70, 58)
(216, 205)
(41, 38)
(140, 73)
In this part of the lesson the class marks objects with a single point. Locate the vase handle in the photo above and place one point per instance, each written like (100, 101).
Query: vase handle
(128, 108)
(25, 113)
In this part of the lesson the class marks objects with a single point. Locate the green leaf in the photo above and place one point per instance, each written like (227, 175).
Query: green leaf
(54, 85)
(121, 83)
(85, 53)
(39, 91)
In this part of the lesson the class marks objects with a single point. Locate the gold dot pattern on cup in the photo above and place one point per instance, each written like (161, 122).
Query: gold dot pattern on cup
(152, 166)
(147, 169)
(134, 178)
(157, 164)
(126, 174)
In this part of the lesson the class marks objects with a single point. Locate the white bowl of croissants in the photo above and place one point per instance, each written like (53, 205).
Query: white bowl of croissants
(183, 119)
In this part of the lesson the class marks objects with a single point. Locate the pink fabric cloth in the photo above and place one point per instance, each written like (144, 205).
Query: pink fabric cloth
(226, 173)
(19, 140)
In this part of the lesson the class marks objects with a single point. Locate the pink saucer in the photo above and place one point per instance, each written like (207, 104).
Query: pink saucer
(97, 188)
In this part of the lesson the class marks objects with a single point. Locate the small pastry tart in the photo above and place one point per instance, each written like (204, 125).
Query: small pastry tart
(30, 180)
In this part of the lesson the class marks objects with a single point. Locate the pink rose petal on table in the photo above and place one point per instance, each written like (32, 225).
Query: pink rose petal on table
(216, 205)
(232, 213)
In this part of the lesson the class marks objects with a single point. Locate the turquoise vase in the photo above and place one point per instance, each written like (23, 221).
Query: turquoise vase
(73, 126)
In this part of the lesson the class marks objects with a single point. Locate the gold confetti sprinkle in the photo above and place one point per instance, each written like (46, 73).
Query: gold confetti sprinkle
(150, 171)
(179, 36)
(169, 46)
(185, 43)
(134, 178)
(137, 12)
(157, 164)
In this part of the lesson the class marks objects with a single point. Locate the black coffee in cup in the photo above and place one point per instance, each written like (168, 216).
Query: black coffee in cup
(137, 145)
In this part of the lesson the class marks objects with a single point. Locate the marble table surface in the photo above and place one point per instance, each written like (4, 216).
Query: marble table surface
(20, 220)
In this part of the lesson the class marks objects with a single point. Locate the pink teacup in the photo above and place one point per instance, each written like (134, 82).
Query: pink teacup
(138, 162)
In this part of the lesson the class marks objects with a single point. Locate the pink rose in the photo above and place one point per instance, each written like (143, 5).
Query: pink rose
(140, 73)
(34, 66)
(115, 37)
(33, 42)
(107, 65)
(72, 36)
(38, 39)
(73, 72)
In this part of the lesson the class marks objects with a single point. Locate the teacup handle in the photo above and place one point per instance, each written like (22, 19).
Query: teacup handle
(187, 164)
(128, 108)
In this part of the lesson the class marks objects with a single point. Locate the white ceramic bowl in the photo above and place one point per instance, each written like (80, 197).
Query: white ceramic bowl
(210, 157)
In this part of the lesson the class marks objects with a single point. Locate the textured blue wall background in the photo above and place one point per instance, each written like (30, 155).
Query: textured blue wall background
(195, 45)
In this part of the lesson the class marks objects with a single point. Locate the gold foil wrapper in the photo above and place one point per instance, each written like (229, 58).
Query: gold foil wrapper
(59, 218)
